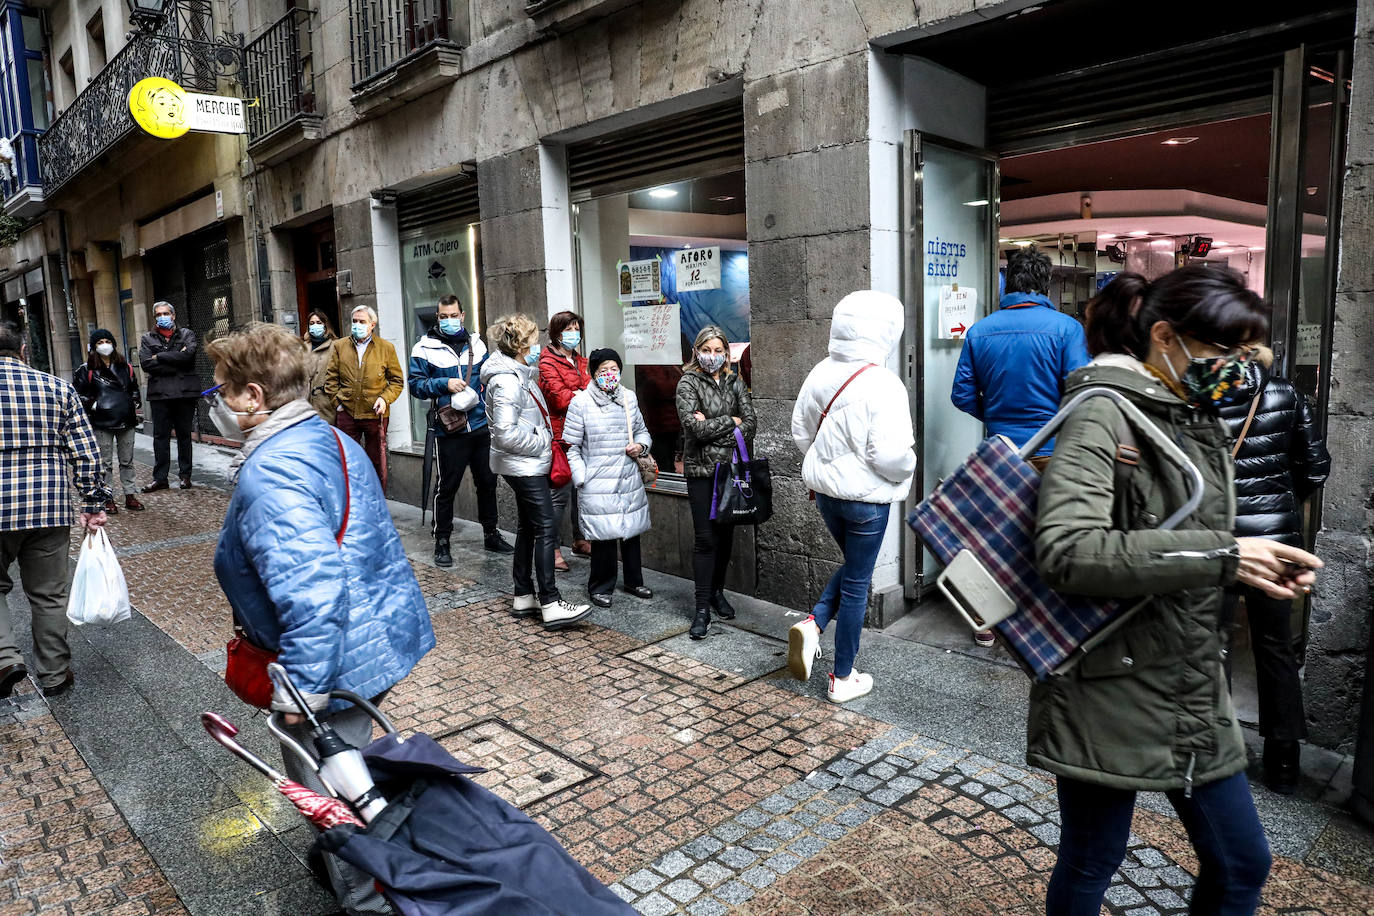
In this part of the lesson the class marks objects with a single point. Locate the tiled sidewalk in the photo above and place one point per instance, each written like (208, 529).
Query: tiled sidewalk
(691, 777)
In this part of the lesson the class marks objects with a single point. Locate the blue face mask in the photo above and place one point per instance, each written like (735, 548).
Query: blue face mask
(317, 331)
(450, 326)
(571, 339)
(532, 358)
(164, 321)
(360, 331)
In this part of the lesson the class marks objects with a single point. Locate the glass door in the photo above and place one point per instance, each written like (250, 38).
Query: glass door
(950, 198)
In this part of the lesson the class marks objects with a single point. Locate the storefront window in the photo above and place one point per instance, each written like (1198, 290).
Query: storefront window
(438, 260)
(691, 236)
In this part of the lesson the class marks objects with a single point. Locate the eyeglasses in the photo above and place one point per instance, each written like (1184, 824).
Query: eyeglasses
(1241, 354)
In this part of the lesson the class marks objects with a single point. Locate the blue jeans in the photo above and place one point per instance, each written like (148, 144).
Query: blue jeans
(858, 528)
(1221, 822)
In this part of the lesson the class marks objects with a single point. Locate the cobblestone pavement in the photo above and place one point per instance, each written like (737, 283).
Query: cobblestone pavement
(690, 779)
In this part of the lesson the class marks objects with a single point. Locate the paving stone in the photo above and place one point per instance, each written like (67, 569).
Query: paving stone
(729, 832)
(801, 790)
(1023, 815)
(673, 864)
(703, 847)
(831, 831)
(852, 817)
(1167, 899)
(973, 787)
(1046, 833)
(1150, 858)
(737, 857)
(758, 877)
(785, 829)
(708, 908)
(905, 784)
(1123, 895)
(782, 863)
(711, 874)
(862, 783)
(883, 771)
(734, 893)
(643, 881)
(823, 781)
(846, 767)
(998, 799)
(805, 818)
(778, 804)
(822, 806)
(1018, 791)
(762, 842)
(887, 797)
(1142, 877)
(621, 891)
(1143, 911)
(683, 890)
(752, 818)
(899, 762)
(1175, 876)
(655, 904)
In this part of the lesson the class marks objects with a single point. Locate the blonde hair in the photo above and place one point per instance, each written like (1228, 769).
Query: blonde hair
(267, 354)
(705, 335)
(513, 333)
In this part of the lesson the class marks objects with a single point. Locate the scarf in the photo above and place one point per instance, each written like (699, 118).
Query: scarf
(285, 416)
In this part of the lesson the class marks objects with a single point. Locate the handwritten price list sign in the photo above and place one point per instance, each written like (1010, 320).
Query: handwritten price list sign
(653, 334)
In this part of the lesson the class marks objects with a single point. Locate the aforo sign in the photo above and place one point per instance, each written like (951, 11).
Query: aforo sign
(166, 111)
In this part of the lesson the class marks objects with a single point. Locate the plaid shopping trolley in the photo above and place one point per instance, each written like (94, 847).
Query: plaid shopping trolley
(980, 522)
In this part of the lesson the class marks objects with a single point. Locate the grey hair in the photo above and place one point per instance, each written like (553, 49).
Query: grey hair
(371, 312)
(164, 304)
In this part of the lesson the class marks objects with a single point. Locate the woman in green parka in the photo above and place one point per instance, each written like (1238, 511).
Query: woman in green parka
(1149, 709)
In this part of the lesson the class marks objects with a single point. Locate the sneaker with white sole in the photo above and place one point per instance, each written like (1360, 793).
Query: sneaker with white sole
(985, 639)
(559, 614)
(803, 647)
(842, 690)
(524, 606)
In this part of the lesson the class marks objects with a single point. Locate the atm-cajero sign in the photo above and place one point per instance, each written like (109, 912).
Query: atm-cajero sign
(165, 110)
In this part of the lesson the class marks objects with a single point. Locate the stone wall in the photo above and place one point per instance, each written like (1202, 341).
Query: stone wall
(1339, 630)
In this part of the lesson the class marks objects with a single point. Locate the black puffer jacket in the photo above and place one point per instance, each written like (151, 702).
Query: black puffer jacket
(1281, 462)
(711, 441)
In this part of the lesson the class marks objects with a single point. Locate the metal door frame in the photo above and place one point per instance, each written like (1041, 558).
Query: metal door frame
(912, 180)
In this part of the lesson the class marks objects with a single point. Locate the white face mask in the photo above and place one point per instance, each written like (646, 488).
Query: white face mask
(226, 420)
(104, 349)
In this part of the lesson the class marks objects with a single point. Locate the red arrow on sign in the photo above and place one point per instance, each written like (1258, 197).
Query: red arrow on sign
(958, 329)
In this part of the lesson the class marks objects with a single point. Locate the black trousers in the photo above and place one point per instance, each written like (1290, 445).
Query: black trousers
(177, 414)
(535, 538)
(601, 578)
(456, 455)
(1281, 713)
(712, 545)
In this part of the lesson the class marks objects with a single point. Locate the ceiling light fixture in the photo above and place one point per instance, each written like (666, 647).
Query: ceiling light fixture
(1138, 233)
(1024, 243)
(723, 198)
(1106, 235)
(975, 203)
(663, 192)
(1177, 141)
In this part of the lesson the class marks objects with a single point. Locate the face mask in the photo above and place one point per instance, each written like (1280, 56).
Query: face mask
(164, 322)
(450, 326)
(360, 331)
(317, 331)
(608, 381)
(711, 362)
(532, 358)
(226, 420)
(104, 349)
(571, 339)
(1210, 381)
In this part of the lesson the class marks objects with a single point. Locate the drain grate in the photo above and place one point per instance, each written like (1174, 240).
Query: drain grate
(521, 769)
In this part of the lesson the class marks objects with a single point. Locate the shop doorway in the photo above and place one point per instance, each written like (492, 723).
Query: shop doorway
(316, 269)
(1227, 148)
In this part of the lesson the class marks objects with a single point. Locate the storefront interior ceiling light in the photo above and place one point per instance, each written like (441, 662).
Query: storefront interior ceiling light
(975, 203)
(1004, 241)
(1178, 141)
(663, 192)
(1106, 235)
(1025, 243)
(723, 198)
(1138, 233)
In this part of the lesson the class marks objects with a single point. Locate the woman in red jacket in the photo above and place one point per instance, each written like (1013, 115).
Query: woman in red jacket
(562, 374)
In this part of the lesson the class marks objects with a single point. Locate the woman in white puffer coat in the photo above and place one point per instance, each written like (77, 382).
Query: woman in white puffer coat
(852, 423)
(610, 493)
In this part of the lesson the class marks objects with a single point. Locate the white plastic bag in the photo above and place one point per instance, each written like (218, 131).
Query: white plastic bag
(99, 594)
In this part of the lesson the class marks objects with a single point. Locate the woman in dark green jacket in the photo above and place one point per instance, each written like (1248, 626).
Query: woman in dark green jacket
(712, 403)
(1149, 708)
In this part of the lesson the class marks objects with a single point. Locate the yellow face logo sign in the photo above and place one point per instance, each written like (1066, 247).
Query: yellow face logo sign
(159, 107)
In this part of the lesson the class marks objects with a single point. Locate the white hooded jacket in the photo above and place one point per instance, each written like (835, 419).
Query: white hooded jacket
(863, 451)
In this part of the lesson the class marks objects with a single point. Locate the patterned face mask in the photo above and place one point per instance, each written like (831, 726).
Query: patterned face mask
(711, 362)
(608, 381)
(1211, 381)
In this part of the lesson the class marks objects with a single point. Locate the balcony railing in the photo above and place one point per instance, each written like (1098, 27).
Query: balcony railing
(281, 72)
(382, 33)
(99, 117)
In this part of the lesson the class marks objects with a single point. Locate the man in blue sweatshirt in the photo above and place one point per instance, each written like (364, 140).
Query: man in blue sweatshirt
(1012, 368)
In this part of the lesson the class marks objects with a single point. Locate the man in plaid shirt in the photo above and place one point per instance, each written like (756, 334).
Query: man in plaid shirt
(43, 431)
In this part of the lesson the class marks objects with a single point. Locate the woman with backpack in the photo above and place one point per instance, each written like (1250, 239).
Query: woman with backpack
(109, 391)
(1148, 709)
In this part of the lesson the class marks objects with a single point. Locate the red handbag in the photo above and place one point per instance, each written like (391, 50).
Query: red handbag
(245, 667)
(560, 472)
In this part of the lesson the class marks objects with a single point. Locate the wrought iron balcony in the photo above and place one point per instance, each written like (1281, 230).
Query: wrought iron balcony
(383, 33)
(281, 72)
(99, 118)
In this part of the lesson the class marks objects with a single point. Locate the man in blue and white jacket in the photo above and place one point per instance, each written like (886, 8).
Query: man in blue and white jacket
(445, 369)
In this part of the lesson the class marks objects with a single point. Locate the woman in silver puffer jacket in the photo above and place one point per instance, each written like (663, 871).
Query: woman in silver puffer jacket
(610, 493)
(522, 452)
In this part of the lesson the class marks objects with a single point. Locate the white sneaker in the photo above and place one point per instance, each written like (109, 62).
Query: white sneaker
(803, 647)
(559, 614)
(985, 639)
(842, 690)
(524, 606)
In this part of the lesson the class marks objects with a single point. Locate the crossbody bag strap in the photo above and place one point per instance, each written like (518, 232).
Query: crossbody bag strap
(348, 491)
(825, 413)
(1249, 418)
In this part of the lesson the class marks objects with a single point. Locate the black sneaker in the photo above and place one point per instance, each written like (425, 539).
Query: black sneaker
(10, 677)
(442, 557)
(497, 544)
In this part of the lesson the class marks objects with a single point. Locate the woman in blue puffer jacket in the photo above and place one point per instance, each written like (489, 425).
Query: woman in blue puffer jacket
(312, 565)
